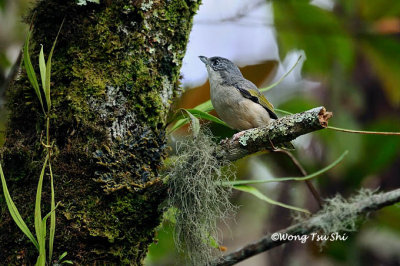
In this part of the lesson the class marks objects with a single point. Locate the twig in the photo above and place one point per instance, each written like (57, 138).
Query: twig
(313, 224)
(310, 186)
(364, 132)
(279, 131)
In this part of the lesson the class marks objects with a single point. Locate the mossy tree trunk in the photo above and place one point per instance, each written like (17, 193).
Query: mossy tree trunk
(115, 69)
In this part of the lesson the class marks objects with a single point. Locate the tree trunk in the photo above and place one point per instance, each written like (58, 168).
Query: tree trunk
(115, 69)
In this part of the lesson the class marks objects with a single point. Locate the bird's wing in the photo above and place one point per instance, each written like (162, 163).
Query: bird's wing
(252, 93)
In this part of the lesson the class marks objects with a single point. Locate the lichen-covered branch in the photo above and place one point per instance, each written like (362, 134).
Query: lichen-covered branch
(279, 131)
(337, 215)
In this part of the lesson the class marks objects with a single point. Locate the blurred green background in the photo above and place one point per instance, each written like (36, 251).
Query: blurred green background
(353, 69)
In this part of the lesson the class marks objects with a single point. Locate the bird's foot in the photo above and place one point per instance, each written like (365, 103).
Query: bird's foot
(237, 135)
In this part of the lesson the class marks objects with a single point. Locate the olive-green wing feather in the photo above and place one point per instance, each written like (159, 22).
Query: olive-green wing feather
(261, 98)
(256, 96)
(252, 93)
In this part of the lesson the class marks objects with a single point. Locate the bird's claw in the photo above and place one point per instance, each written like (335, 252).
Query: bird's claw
(237, 135)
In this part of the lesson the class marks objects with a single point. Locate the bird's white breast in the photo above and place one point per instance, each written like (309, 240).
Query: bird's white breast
(235, 110)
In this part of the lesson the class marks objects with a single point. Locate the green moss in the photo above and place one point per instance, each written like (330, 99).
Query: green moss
(115, 68)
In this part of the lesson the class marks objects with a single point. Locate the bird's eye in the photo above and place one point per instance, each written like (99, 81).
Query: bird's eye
(216, 63)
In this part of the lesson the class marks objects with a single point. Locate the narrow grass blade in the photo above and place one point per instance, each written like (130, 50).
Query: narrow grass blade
(283, 77)
(62, 256)
(42, 68)
(42, 241)
(307, 177)
(48, 69)
(14, 211)
(38, 215)
(41, 261)
(258, 194)
(53, 215)
(30, 71)
(283, 111)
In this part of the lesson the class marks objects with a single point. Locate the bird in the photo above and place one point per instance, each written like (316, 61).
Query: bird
(237, 101)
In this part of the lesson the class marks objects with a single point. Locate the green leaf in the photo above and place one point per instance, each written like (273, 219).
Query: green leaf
(41, 261)
(307, 177)
(53, 215)
(62, 256)
(14, 211)
(258, 194)
(180, 123)
(283, 77)
(42, 67)
(42, 240)
(283, 111)
(195, 123)
(67, 262)
(183, 119)
(48, 69)
(205, 107)
(30, 71)
(38, 216)
(203, 115)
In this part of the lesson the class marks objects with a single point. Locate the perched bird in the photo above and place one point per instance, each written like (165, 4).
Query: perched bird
(238, 101)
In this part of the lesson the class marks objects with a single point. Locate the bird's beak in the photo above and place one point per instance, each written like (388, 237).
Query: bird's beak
(204, 59)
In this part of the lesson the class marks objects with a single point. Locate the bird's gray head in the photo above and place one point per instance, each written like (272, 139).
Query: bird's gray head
(222, 66)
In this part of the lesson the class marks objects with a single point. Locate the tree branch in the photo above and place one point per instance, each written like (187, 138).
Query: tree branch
(358, 206)
(303, 171)
(279, 131)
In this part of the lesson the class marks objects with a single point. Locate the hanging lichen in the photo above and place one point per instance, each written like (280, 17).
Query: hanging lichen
(195, 190)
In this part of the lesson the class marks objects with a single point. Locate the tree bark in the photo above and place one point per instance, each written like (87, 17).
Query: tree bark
(115, 69)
